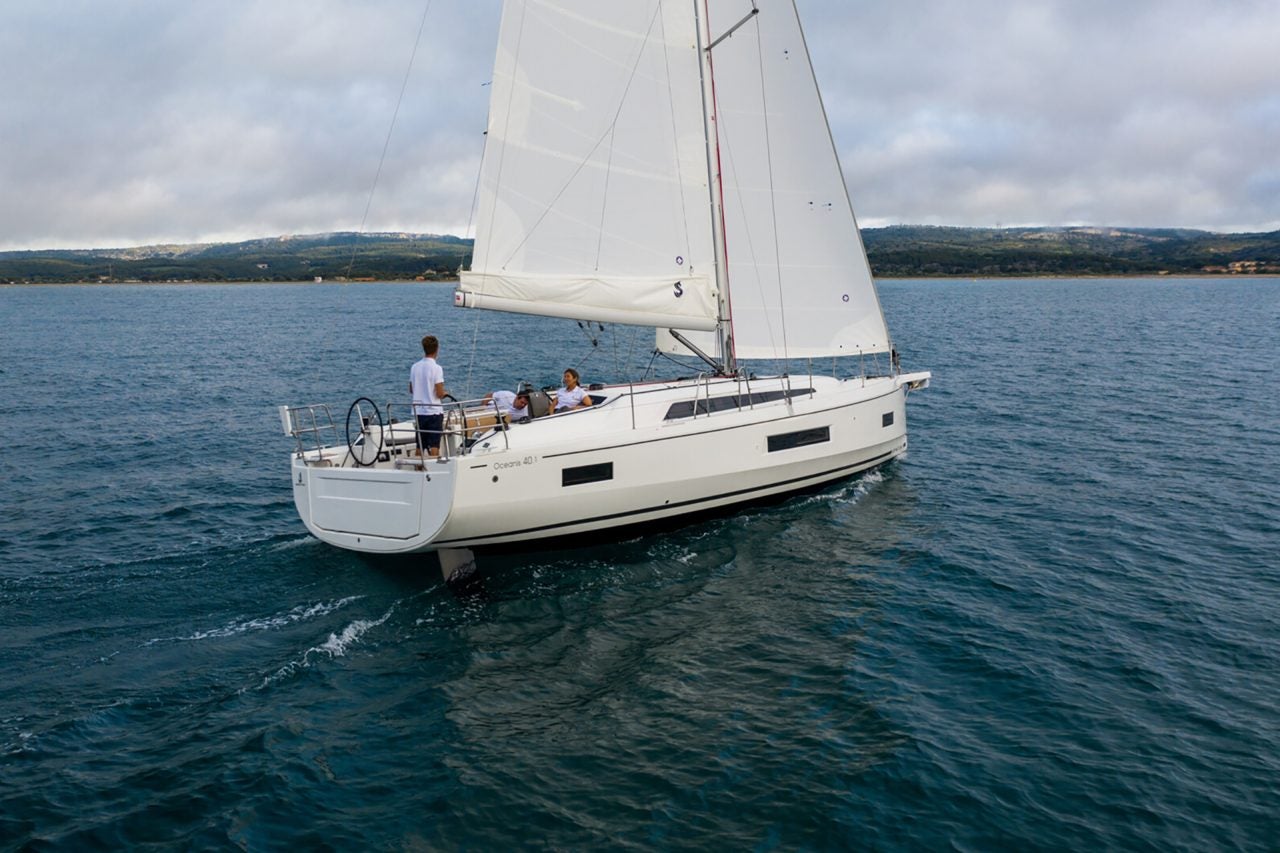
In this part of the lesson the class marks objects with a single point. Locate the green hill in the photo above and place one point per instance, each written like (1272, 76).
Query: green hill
(906, 250)
(339, 256)
(897, 251)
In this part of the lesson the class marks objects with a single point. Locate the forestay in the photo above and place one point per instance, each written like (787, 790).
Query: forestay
(798, 277)
(593, 191)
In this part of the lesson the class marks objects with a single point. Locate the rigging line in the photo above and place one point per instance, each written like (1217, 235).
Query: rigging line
(773, 197)
(475, 337)
(631, 350)
(467, 260)
(652, 359)
(404, 84)
(677, 362)
(675, 131)
(475, 197)
(613, 333)
(582, 363)
(608, 134)
(604, 199)
(506, 125)
(746, 228)
(613, 133)
(590, 335)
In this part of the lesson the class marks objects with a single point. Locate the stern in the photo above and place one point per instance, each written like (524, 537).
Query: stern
(375, 510)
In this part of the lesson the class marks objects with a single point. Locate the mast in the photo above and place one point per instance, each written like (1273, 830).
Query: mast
(724, 325)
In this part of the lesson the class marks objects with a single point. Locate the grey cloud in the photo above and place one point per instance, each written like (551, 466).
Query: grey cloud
(1139, 113)
(150, 121)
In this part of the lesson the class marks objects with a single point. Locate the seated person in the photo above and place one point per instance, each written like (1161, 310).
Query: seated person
(513, 404)
(572, 395)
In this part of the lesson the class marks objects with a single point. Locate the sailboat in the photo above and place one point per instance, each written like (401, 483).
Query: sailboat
(659, 163)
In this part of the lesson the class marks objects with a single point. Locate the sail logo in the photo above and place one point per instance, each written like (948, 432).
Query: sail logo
(679, 290)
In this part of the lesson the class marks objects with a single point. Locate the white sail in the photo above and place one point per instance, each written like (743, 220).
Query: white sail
(798, 278)
(593, 191)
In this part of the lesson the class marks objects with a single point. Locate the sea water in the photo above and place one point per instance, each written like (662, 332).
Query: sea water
(1054, 624)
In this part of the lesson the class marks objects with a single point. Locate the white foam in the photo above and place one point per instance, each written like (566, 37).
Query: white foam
(22, 744)
(300, 613)
(335, 646)
(862, 487)
(291, 544)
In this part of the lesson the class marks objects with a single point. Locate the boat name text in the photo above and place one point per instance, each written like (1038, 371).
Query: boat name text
(519, 463)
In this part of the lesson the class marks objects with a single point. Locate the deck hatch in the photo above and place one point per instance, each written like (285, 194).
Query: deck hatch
(803, 438)
(587, 474)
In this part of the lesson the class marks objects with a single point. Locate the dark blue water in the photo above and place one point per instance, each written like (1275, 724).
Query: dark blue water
(1055, 624)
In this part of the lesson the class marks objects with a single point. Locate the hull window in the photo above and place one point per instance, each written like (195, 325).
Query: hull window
(886, 419)
(803, 438)
(686, 409)
(587, 474)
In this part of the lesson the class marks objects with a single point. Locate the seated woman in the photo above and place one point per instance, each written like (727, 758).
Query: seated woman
(572, 395)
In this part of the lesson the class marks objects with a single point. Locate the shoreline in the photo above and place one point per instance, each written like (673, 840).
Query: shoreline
(878, 279)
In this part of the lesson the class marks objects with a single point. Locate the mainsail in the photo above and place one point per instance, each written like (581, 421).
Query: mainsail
(596, 197)
(593, 189)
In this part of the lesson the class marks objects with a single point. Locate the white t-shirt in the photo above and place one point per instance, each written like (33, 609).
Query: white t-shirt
(506, 402)
(423, 376)
(566, 399)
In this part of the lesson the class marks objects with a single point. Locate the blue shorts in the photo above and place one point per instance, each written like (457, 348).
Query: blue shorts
(429, 429)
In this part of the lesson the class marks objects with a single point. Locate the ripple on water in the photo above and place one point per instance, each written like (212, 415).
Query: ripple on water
(1051, 625)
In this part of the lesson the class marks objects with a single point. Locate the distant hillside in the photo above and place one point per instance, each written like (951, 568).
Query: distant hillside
(296, 258)
(898, 251)
(906, 250)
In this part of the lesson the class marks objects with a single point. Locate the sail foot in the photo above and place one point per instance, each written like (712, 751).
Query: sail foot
(681, 303)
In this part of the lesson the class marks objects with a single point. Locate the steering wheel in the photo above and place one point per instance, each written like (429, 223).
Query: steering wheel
(366, 443)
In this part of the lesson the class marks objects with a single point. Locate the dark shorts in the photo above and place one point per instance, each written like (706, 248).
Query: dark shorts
(429, 429)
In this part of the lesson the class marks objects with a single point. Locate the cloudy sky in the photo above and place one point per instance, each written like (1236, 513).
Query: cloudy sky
(129, 122)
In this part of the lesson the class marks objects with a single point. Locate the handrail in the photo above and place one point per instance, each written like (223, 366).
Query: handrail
(318, 441)
(294, 418)
(461, 424)
(698, 383)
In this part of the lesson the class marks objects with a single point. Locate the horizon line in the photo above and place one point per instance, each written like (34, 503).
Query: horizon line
(418, 234)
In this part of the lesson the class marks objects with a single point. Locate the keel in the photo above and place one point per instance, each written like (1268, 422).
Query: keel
(456, 564)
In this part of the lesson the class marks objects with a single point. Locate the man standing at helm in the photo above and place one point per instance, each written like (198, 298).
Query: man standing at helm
(426, 384)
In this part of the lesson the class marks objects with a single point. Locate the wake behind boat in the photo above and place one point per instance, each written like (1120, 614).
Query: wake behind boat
(640, 167)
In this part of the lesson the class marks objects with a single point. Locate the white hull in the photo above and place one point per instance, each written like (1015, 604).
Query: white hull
(633, 460)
